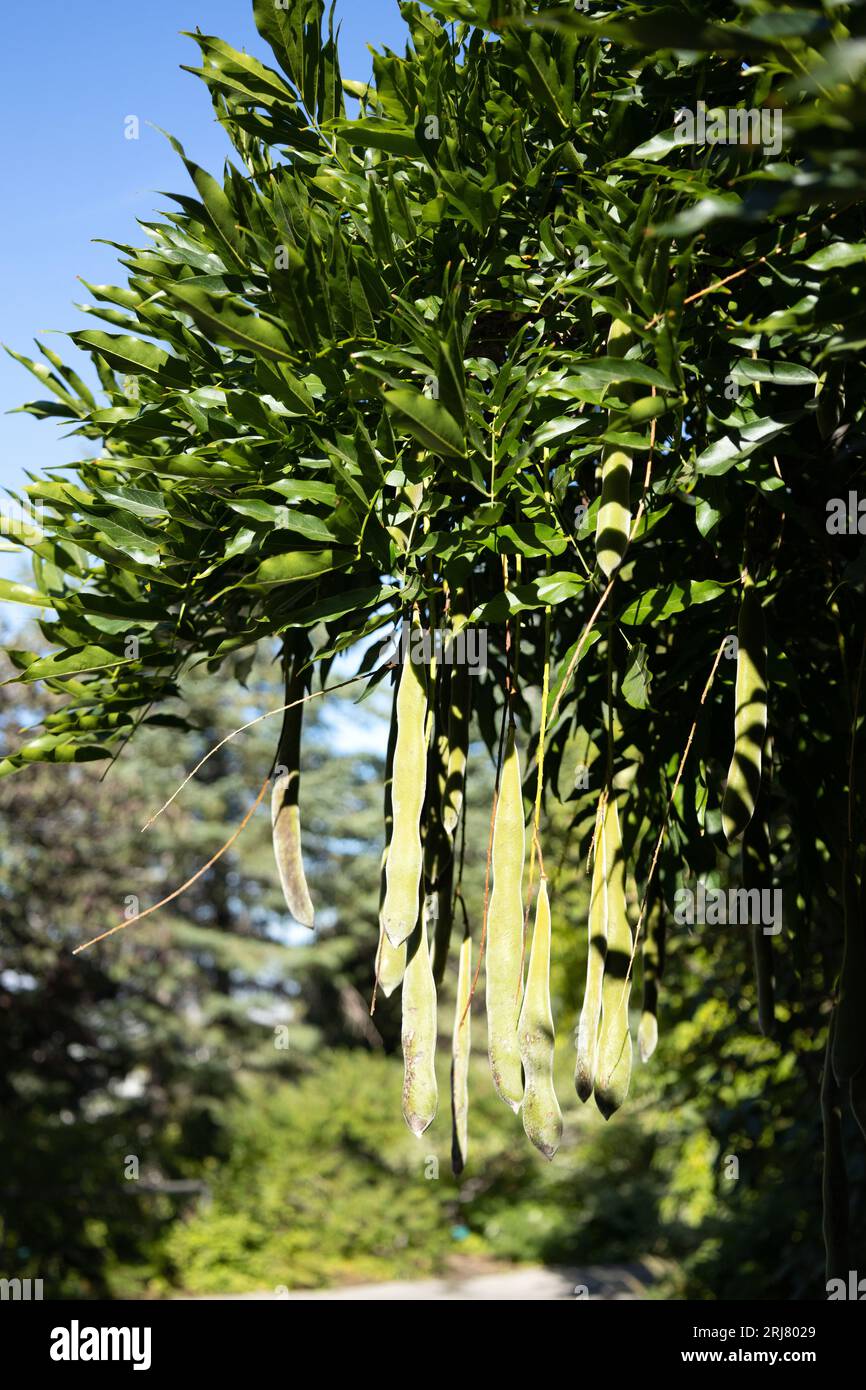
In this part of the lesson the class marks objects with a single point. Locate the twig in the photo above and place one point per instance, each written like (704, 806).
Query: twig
(326, 690)
(190, 881)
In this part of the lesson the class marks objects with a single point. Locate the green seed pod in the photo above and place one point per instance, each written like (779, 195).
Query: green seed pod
(443, 889)
(835, 1178)
(460, 695)
(418, 1034)
(590, 1013)
(613, 1068)
(750, 716)
(849, 1039)
(757, 874)
(285, 809)
(505, 931)
(461, 1045)
(647, 408)
(542, 1117)
(390, 960)
(614, 513)
(390, 964)
(405, 856)
(653, 970)
(438, 853)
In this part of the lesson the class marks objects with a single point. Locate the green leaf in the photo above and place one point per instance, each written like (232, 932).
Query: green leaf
(298, 565)
(375, 134)
(747, 369)
(132, 356)
(126, 536)
(636, 681)
(72, 662)
(19, 593)
(657, 604)
(608, 371)
(428, 421)
(229, 320)
(837, 256)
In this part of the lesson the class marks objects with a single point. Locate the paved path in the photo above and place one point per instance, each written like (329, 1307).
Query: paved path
(525, 1285)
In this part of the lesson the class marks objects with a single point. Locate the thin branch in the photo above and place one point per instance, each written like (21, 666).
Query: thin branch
(190, 881)
(326, 690)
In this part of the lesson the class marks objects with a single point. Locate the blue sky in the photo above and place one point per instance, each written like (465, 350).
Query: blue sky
(73, 73)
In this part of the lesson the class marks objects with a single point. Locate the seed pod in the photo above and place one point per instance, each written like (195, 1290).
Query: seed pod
(542, 1117)
(849, 1039)
(418, 1033)
(390, 960)
(613, 1069)
(438, 854)
(460, 695)
(505, 931)
(443, 889)
(750, 716)
(614, 513)
(587, 1032)
(390, 964)
(756, 874)
(461, 1044)
(653, 970)
(285, 809)
(405, 857)
(835, 1178)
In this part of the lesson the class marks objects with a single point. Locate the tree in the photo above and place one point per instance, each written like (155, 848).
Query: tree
(555, 281)
(118, 1069)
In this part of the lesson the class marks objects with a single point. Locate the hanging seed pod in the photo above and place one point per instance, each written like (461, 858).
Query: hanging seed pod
(587, 1032)
(505, 931)
(849, 1038)
(542, 1117)
(390, 964)
(438, 850)
(285, 809)
(443, 895)
(390, 960)
(461, 1045)
(757, 875)
(404, 864)
(418, 1033)
(613, 1069)
(614, 514)
(653, 970)
(835, 1178)
(750, 716)
(459, 709)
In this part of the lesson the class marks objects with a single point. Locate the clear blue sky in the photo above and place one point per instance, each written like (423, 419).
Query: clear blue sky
(72, 74)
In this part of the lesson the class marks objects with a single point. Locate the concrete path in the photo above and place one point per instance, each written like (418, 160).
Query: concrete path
(524, 1285)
